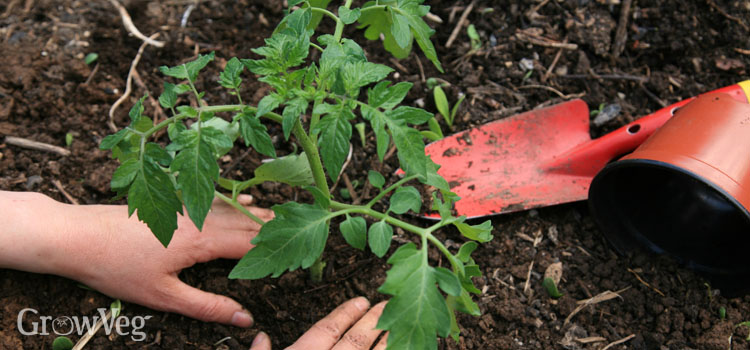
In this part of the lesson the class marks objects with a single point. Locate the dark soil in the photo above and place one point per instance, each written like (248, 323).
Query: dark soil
(673, 50)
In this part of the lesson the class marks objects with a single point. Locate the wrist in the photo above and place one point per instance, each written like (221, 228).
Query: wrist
(32, 233)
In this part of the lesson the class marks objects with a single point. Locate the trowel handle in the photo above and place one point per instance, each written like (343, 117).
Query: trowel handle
(591, 157)
(629, 137)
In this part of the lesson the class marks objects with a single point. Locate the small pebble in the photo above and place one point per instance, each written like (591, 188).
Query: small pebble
(32, 181)
(608, 113)
(526, 64)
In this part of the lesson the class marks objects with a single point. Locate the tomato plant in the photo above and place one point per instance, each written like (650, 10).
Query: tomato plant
(316, 104)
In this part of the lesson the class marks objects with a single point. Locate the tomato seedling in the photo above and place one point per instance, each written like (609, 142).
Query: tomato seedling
(340, 88)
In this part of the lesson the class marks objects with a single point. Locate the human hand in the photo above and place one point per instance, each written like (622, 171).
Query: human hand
(99, 246)
(326, 334)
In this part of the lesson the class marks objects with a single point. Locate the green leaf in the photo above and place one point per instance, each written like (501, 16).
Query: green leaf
(230, 77)
(400, 30)
(379, 22)
(405, 199)
(197, 172)
(174, 129)
(409, 115)
(255, 134)
(335, 132)
(448, 281)
(411, 152)
(125, 174)
(417, 312)
(354, 230)
(321, 199)
(154, 152)
(299, 20)
(168, 98)
(422, 33)
(293, 3)
(91, 58)
(292, 170)
(549, 285)
(293, 110)
(379, 237)
(113, 140)
(348, 16)
(269, 103)
(294, 238)
(358, 74)
(136, 112)
(441, 102)
(481, 233)
(188, 70)
(153, 195)
(465, 251)
(388, 97)
(219, 141)
(376, 179)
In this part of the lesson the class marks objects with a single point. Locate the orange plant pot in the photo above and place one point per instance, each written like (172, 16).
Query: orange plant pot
(686, 191)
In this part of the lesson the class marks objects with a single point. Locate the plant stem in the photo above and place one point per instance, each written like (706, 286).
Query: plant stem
(211, 109)
(344, 208)
(313, 157)
(239, 207)
(340, 24)
(389, 189)
(326, 12)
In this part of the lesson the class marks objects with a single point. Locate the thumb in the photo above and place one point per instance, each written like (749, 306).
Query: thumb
(261, 342)
(208, 307)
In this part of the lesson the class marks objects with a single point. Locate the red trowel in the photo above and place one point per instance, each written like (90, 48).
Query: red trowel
(539, 158)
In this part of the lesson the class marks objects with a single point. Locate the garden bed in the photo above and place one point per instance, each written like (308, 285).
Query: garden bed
(673, 50)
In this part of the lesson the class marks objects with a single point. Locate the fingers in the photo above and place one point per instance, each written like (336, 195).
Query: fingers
(326, 332)
(245, 199)
(363, 333)
(382, 343)
(261, 342)
(204, 306)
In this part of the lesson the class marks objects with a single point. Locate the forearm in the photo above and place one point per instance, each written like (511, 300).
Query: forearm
(31, 232)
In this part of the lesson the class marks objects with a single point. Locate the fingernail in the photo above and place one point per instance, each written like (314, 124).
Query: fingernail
(260, 338)
(361, 303)
(242, 319)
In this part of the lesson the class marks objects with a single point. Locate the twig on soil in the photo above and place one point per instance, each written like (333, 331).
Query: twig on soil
(604, 76)
(343, 167)
(622, 30)
(528, 278)
(590, 340)
(399, 66)
(603, 296)
(86, 337)
(542, 41)
(128, 23)
(186, 15)
(350, 188)
(128, 85)
(433, 17)
(549, 88)
(638, 277)
(10, 7)
(651, 95)
(742, 51)
(35, 145)
(421, 69)
(64, 192)
(727, 15)
(554, 62)
(91, 75)
(460, 24)
(618, 341)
